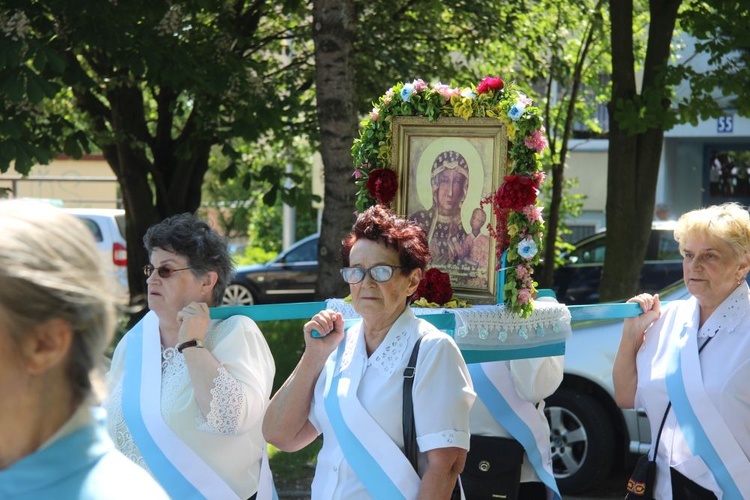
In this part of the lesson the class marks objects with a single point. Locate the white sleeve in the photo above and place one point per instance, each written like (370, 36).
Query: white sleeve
(242, 387)
(443, 395)
(537, 378)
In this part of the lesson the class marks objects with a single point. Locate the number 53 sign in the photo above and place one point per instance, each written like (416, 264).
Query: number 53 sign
(725, 124)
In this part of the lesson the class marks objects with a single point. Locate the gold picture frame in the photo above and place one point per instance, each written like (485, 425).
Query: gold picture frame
(468, 159)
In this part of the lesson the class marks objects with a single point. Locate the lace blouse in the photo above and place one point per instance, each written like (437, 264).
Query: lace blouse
(229, 437)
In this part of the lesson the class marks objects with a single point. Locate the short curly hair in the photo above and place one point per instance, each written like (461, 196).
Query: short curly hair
(382, 225)
(205, 249)
(729, 222)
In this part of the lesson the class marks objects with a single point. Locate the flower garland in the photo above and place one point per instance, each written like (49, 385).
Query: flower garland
(519, 225)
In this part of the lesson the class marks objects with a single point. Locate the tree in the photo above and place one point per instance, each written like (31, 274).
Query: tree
(361, 49)
(154, 85)
(639, 117)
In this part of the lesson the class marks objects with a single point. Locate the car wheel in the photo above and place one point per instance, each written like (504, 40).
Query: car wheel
(581, 439)
(238, 295)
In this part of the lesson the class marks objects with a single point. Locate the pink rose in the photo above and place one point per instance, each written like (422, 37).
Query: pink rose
(533, 213)
(374, 114)
(524, 296)
(536, 141)
(419, 85)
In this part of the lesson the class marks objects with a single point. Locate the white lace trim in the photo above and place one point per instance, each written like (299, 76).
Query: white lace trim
(492, 327)
(118, 429)
(389, 357)
(728, 315)
(227, 402)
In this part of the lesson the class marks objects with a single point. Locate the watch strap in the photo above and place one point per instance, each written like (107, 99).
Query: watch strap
(189, 343)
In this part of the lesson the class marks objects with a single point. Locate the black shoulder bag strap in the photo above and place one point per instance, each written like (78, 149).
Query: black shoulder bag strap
(410, 432)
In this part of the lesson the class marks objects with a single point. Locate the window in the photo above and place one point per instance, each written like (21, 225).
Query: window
(307, 252)
(94, 228)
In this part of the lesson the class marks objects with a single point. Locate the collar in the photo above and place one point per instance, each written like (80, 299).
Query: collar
(728, 315)
(390, 352)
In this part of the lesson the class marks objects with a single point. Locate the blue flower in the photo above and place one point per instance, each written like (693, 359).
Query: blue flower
(516, 111)
(407, 91)
(468, 94)
(527, 248)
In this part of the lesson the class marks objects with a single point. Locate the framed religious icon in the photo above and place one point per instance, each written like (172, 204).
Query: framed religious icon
(445, 169)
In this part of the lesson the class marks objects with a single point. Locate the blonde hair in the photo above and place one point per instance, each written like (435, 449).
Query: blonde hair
(729, 222)
(50, 268)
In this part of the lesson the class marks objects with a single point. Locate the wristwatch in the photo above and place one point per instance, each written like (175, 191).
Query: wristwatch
(189, 343)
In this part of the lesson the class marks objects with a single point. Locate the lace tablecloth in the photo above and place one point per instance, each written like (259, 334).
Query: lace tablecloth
(489, 332)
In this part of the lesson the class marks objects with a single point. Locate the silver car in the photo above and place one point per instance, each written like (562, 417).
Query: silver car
(589, 433)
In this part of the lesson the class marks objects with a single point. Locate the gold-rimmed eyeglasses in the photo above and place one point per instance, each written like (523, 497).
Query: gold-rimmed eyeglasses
(164, 272)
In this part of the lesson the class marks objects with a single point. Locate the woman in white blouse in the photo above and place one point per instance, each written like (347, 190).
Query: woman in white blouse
(688, 363)
(187, 394)
(348, 385)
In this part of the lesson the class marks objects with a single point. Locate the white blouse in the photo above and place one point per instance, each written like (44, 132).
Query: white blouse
(443, 395)
(229, 438)
(725, 368)
(534, 379)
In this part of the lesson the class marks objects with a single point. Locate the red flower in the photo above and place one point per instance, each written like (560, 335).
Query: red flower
(516, 192)
(435, 287)
(382, 185)
(494, 83)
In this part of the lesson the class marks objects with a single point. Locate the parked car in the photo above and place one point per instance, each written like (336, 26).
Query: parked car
(577, 282)
(290, 277)
(589, 434)
(107, 225)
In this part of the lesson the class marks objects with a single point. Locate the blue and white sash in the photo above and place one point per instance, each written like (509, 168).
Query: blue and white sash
(703, 427)
(378, 462)
(494, 386)
(180, 471)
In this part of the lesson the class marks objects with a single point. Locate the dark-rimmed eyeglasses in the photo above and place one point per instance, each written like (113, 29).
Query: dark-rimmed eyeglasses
(381, 273)
(163, 271)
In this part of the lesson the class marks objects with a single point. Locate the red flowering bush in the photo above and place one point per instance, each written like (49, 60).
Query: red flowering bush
(435, 287)
(493, 83)
(382, 185)
(516, 192)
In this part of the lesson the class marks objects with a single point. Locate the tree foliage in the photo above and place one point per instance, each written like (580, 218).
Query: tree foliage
(640, 115)
(154, 85)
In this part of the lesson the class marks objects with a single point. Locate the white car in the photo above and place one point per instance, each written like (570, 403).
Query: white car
(589, 433)
(107, 225)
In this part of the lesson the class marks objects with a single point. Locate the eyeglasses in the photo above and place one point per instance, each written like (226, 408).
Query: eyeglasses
(163, 271)
(380, 273)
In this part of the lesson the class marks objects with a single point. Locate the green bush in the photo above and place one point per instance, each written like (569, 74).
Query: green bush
(254, 255)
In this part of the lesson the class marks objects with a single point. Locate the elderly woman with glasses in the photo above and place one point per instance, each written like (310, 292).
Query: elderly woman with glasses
(188, 394)
(349, 384)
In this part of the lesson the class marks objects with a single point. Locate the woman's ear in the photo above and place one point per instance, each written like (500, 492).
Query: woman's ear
(414, 278)
(46, 345)
(208, 281)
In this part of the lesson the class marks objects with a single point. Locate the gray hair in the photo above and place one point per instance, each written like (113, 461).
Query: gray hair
(729, 222)
(49, 269)
(205, 249)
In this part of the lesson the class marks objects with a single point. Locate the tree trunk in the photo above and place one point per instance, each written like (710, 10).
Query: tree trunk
(334, 28)
(633, 159)
(150, 191)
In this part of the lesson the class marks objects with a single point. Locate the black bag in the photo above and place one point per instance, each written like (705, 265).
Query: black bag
(641, 482)
(410, 432)
(493, 468)
(685, 488)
